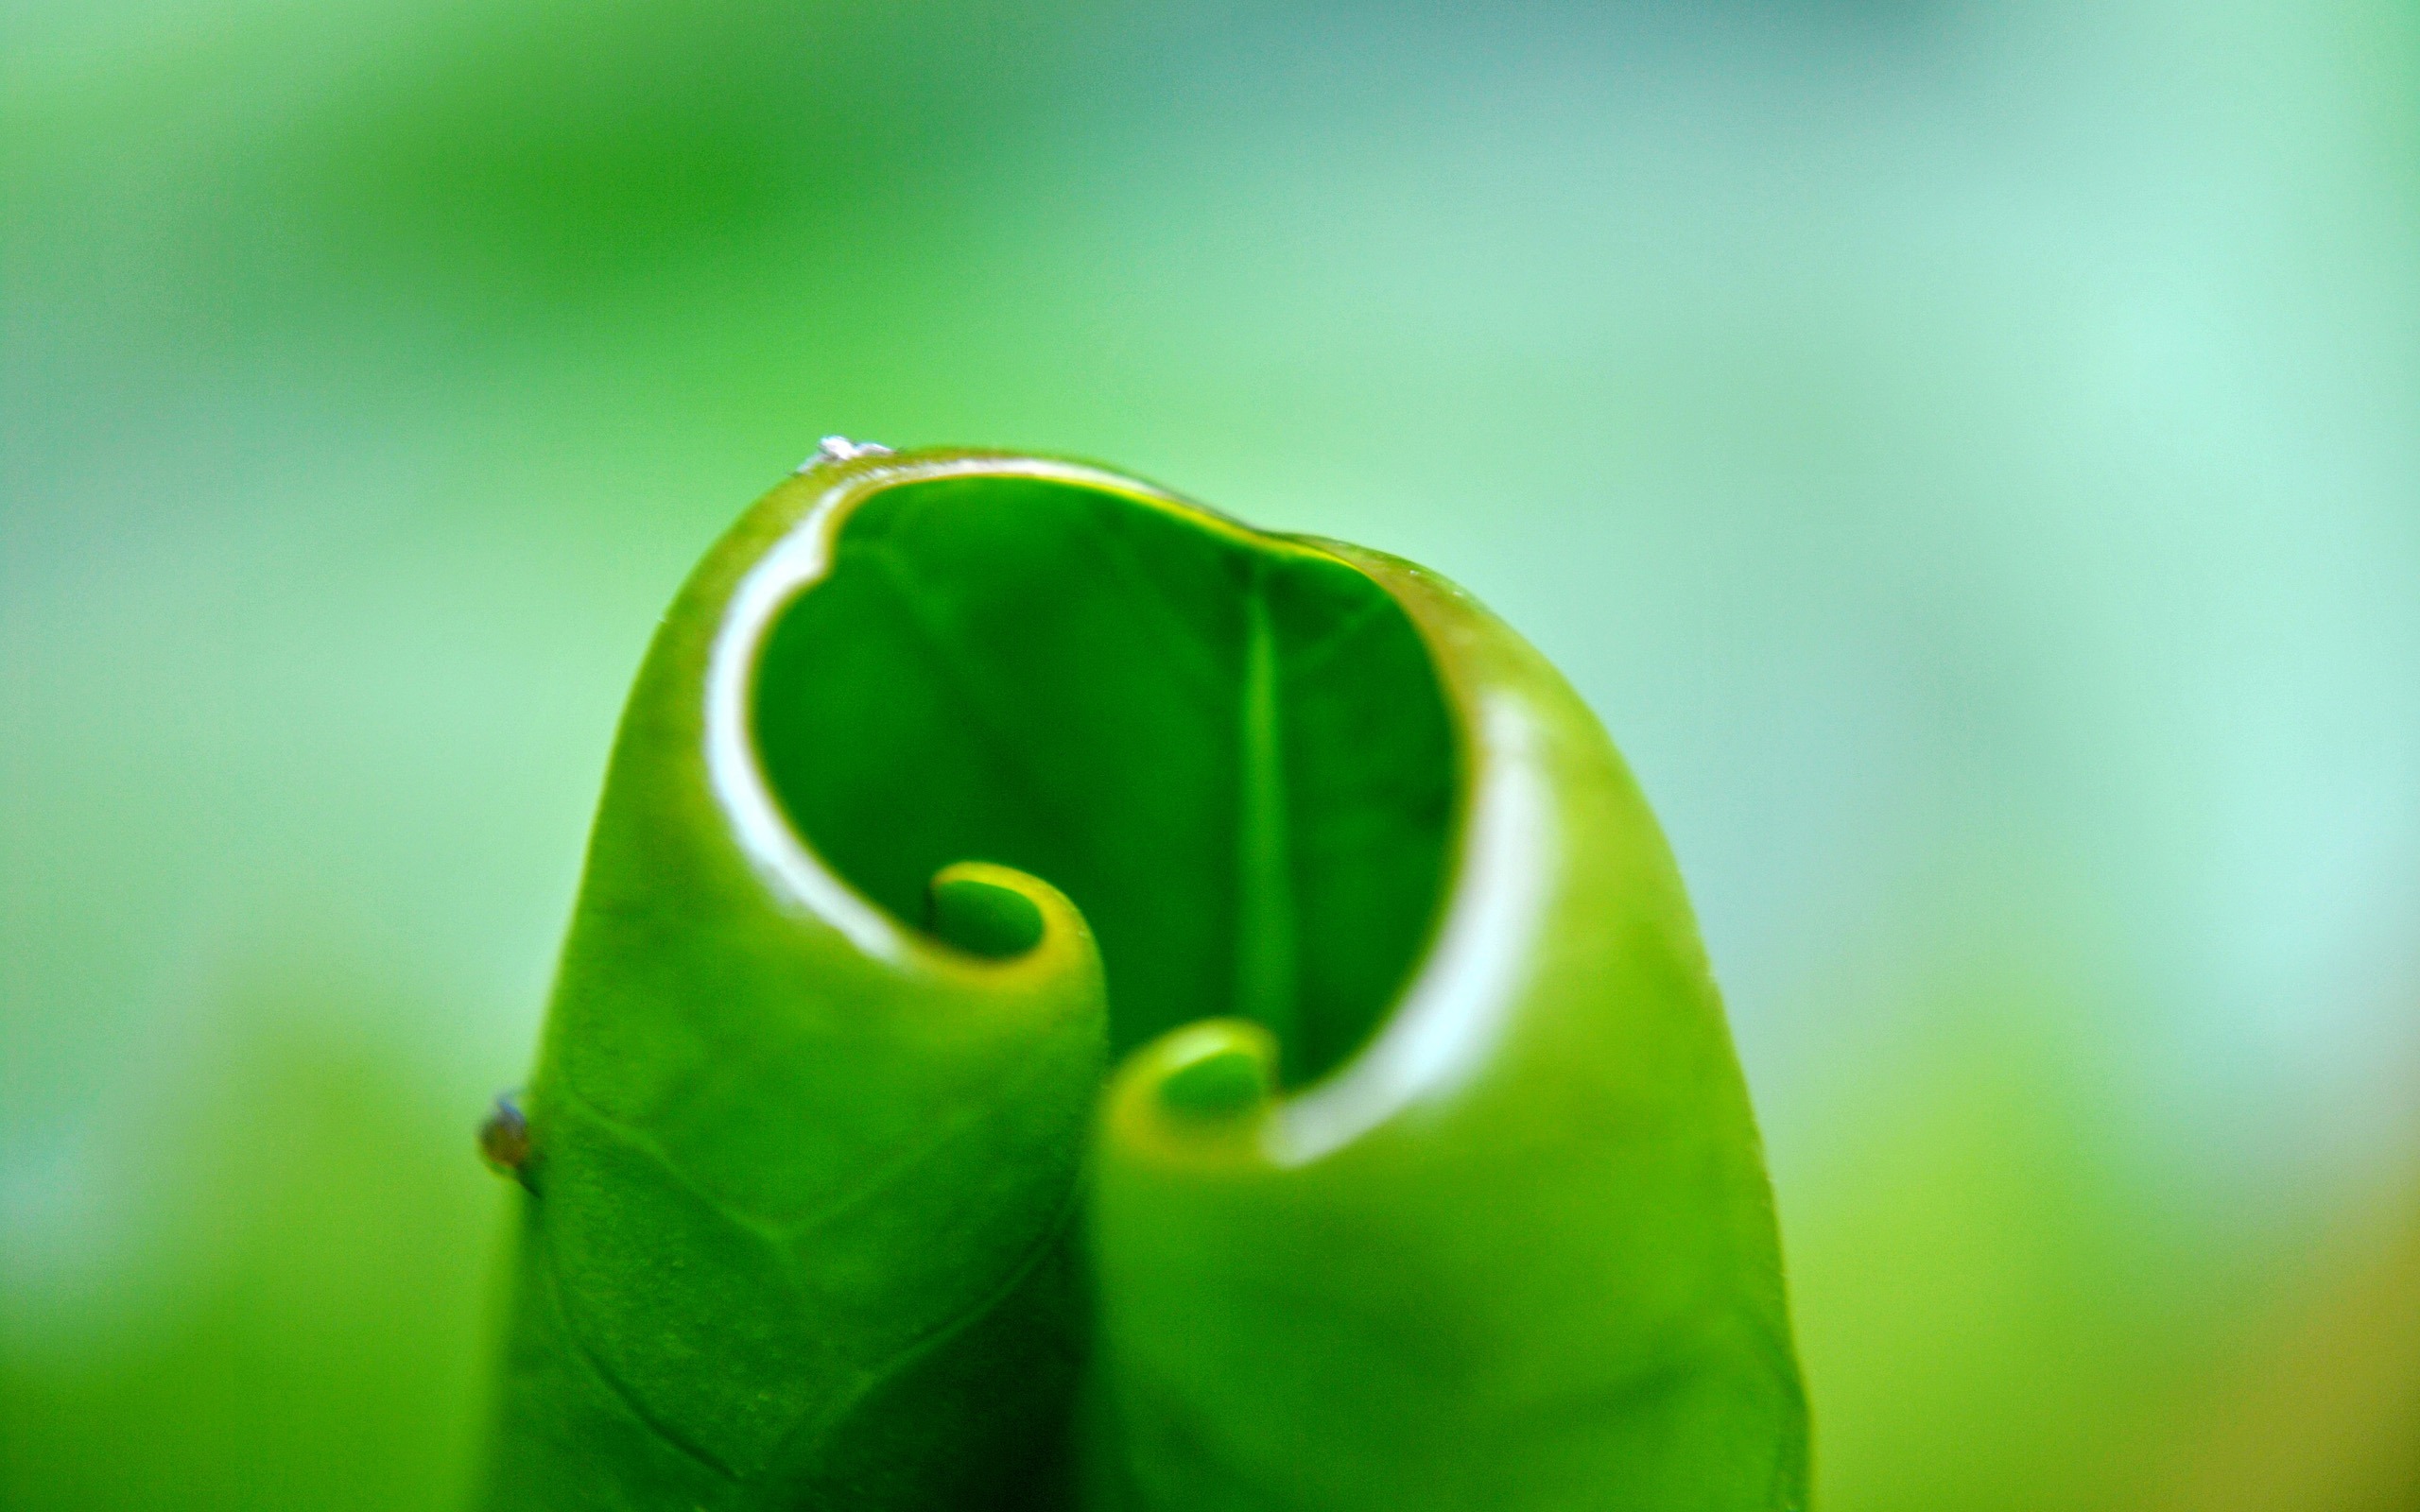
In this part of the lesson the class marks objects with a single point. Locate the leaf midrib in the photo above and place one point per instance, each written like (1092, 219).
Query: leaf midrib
(1265, 967)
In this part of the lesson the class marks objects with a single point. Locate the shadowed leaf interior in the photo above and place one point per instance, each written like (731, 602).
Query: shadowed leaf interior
(1230, 750)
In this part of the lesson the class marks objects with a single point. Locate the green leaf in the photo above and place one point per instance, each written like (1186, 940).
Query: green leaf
(1301, 1085)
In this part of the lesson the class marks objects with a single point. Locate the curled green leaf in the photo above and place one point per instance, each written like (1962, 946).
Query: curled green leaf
(1076, 1003)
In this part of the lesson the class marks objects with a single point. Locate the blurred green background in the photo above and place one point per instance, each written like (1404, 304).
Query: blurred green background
(1969, 453)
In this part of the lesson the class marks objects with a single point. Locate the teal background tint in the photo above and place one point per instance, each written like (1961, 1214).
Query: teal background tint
(1969, 454)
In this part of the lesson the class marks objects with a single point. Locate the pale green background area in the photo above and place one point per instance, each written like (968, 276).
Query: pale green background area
(1969, 454)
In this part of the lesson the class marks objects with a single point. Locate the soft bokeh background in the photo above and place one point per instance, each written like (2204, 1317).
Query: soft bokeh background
(1969, 453)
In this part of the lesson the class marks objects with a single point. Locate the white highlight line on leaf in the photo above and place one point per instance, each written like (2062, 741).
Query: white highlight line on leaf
(1455, 1010)
(796, 562)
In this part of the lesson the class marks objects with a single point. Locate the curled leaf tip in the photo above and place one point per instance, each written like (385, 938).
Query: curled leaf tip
(1217, 1069)
(1216, 1087)
(980, 914)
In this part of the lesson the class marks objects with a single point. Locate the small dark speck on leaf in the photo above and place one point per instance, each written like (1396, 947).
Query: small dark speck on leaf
(504, 1138)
